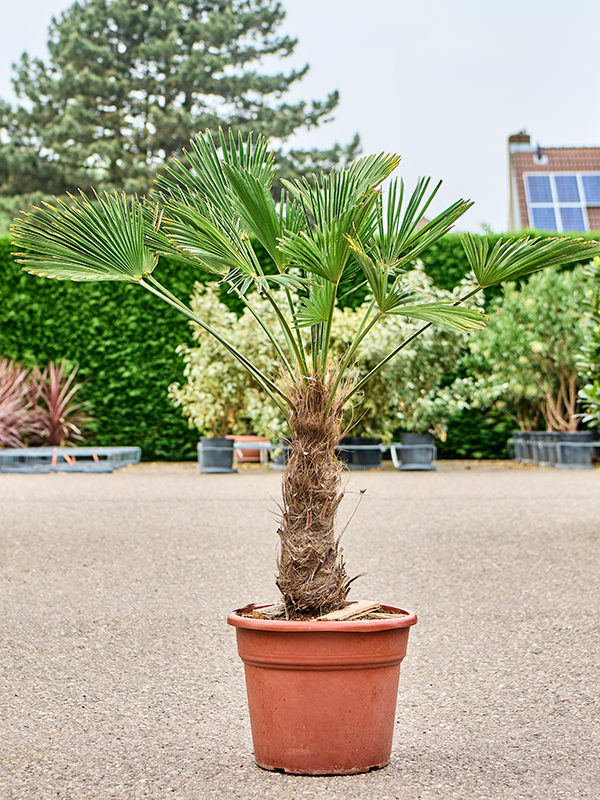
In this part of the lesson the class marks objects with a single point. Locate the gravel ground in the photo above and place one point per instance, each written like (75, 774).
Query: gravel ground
(119, 677)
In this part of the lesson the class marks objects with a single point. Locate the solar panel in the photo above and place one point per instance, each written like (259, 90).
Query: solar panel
(572, 219)
(539, 189)
(591, 187)
(544, 219)
(566, 188)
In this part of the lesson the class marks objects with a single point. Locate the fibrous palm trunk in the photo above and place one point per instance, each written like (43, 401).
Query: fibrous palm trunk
(312, 576)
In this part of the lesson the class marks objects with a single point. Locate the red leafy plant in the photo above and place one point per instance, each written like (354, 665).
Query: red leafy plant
(15, 409)
(40, 407)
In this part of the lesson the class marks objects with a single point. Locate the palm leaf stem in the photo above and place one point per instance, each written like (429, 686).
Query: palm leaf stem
(316, 343)
(328, 324)
(269, 333)
(287, 332)
(362, 331)
(293, 346)
(265, 382)
(303, 364)
(394, 352)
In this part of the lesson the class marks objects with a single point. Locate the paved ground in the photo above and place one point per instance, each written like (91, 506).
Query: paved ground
(119, 677)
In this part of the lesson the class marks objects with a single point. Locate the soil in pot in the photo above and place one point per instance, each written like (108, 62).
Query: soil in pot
(322, 694)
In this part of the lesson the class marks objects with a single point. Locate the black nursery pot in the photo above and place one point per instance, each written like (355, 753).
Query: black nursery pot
(215, 454)
(420, 451)
(576, 449)
(351, 452)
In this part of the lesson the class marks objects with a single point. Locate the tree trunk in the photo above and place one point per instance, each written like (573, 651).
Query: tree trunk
(312, 576)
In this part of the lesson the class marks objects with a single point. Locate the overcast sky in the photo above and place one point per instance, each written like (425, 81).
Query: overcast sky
(442, 83)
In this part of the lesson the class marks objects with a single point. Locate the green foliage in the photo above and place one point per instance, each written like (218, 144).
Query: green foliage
(524, 362)
(129, 81)
(219, 398)
(16, 418)
(123, 342)
(589, 361)
(477, 433)
(74, 254)
(326, 233)
(515, 259)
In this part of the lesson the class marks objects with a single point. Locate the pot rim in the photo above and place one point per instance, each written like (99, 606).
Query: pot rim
(323, 626)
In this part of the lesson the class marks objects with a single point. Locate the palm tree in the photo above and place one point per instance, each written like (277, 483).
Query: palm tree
(327, 234)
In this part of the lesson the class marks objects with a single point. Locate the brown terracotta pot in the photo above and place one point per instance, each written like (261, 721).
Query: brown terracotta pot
(245, 455)
(322, 695)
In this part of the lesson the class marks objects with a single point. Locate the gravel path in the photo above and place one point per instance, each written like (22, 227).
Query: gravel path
(119, 677)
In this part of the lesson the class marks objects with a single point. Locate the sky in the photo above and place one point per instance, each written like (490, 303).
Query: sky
(441, 83)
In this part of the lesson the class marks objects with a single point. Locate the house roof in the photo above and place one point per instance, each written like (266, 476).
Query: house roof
(525, 158)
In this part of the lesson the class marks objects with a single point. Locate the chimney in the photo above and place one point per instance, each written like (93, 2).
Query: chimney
(519, 141)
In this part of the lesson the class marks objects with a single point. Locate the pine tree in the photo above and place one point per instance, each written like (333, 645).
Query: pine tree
(129, 81)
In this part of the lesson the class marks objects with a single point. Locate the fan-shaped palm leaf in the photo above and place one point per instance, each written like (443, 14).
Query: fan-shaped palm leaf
(516, 258)
(317, 308)
(85, 241)
(385, 284)
(254, 204)
(451, 316)
(205, 176)
(398, 239)
(201, 238)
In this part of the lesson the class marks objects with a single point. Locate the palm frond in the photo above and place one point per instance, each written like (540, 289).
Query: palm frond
(204, 175)
(398, 239)
(85, 241)
(253, 156)
(456, 317)
(516, 258)
(331, 197)
(317, 308)
(386, 286)
(203, 240)
(291, 216)
(305, 251)
(254, 204)
(370, 171)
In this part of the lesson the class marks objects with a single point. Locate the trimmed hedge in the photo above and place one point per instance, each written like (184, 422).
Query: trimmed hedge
(124, 341)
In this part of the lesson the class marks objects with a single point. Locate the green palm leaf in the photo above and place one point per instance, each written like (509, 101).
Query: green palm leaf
(331, 197)
(254, 204)
(203, 240)
(398, 239)
(317, 308)
(516, 258)
(85, 241)
(370, 171)
(386, 285)
(307, 252)
(204, 175)
(455, 317)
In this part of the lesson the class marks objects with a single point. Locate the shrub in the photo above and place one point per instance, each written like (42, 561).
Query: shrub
(59, 418)
(219, 398)
(589, 360)
(15, 411)
(39, 408)
(524, 362)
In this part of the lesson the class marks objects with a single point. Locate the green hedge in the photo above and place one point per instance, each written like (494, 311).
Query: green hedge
(124, 341)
